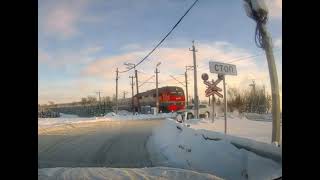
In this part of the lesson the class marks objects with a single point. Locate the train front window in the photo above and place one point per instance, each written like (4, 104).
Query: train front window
(180, 93)
(179, 103)
(176, 93)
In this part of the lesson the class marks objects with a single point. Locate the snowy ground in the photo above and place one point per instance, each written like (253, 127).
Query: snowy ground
(164, 173)
(196, 145)
(259, 129)
(212, 152)
(122, 115)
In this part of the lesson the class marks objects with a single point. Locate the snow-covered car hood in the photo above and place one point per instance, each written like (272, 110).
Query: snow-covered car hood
(121, 173)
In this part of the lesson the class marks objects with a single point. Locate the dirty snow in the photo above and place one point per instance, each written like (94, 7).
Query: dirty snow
(180, 146)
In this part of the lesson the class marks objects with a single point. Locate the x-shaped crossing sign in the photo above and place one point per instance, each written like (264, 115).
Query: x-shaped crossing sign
(212, 88)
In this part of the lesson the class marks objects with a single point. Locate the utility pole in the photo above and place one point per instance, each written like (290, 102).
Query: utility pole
(157, 91)
(186, 79)
(253, 94)
(99, 101)
(117, 77)
(196, 97)
(274, 88)
(253, 87)
(258, 11)
(132, 107)
(137, 87)
(129, 66)
(124, 94)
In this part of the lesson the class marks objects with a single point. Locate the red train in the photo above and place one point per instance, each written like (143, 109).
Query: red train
(171, 98)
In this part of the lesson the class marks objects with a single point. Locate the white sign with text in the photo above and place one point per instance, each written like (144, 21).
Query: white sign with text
(222, 68)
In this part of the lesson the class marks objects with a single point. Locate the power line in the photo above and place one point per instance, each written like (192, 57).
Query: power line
(177, 80)
(241, 58)
(163, 38)
(146, 81)
(238, 59)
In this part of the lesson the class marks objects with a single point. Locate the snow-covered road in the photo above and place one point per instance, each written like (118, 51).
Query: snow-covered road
(153, 141)
(98, 144)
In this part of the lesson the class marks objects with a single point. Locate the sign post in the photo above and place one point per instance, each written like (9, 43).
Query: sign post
(223, 69)
(213, 108)
(225, 102)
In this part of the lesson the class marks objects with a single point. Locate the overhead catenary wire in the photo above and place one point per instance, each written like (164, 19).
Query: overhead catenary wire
(241, 58)
(177, 80)
(162, 40)
(146, 81)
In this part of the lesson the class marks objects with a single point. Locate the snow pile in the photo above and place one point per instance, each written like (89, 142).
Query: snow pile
(143, 116)
(259, 117)
(211, 152)
(124, 112)
(121, 173)
(47, 122)
(237, 125)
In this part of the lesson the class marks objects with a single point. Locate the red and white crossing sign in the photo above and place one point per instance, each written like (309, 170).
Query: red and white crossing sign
(210, 92)
(212, 88)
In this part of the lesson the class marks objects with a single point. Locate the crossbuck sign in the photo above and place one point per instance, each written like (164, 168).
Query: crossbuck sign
(212, 88)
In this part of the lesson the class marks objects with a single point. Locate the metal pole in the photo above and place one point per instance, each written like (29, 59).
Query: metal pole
(99, 102)
(186, 79)
(274, 85)
(157, 91)
(196, 98)
(225, 105)
(132, 107)
(212, 108)
(117, 77)
(136, 75)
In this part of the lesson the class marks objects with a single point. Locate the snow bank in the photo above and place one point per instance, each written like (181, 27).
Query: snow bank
(124, 112)
(121, 173)
(238, 125)
(48, 122)
(211, 152)
(258, 117)
(142, 116)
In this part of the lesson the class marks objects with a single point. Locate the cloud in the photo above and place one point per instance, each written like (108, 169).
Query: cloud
(275, 8)
(62, 18)
(174, 60)
(99, 74)
(64, 58)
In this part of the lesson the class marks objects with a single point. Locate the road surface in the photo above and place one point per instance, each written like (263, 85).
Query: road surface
(99, 144)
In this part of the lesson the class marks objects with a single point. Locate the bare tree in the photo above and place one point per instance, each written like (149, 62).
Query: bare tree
(84, 101)
(91, 99)
(51, 103)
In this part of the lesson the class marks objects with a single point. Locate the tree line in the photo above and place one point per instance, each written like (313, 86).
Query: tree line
(86, 107)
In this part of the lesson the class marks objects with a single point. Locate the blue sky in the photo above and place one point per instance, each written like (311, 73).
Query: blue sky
(82, 42)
